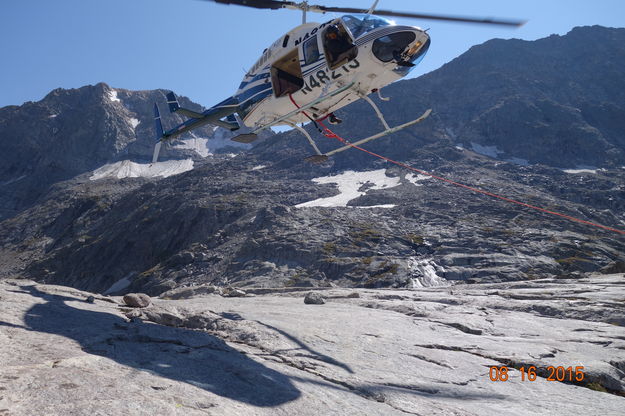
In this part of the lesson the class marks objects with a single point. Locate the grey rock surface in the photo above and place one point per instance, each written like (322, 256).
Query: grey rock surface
(425, 351)
(241, 227)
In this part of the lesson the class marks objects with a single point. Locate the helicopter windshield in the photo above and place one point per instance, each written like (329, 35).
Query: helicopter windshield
(359, 24)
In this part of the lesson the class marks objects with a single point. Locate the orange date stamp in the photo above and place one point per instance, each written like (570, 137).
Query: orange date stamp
(530, 373)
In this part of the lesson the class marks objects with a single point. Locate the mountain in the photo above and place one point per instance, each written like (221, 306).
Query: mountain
(508, 116)
(71, 132)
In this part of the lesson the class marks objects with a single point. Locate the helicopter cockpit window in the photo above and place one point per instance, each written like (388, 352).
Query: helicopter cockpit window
(359, 24)
(338, 46)
(311, 51)
(391, 46)
(286, 74)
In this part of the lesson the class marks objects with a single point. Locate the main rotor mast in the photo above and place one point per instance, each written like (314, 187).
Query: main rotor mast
(305, 7)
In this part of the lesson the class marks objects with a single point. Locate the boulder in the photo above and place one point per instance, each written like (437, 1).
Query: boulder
(189, 292)
(234, 293)
(314, 298)
(614, 267)
(137, 300)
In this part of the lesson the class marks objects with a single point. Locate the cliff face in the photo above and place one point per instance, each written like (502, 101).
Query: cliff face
(557, 101)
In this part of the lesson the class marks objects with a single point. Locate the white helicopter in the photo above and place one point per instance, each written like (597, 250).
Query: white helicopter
(316, 69)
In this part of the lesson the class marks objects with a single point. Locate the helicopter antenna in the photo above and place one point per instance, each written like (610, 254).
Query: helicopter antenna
(304, 6)
(372, 8)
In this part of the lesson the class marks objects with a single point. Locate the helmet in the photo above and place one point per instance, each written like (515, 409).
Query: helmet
(332, 29)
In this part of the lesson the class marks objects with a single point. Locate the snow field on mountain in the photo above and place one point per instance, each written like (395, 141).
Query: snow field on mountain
(351, 185)
(128, 169)
(113, 96)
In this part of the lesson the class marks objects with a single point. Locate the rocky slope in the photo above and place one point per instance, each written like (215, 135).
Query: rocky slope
(382, 352)
(261, 219)
(229, 222)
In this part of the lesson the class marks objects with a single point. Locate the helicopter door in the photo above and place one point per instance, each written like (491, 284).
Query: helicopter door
(286, 75)
(338, 46)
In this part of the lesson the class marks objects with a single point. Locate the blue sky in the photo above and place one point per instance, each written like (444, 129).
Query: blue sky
(202, 49)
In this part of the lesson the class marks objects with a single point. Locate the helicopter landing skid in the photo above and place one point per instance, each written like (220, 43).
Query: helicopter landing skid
(245, 138)
(316, 159)
(319, 158)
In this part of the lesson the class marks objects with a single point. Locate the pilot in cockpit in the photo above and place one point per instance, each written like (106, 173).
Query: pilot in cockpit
(336, 44)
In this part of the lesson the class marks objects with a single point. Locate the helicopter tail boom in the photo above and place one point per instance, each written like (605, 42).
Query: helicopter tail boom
(212, 116)
(159, 133)
(174, 107)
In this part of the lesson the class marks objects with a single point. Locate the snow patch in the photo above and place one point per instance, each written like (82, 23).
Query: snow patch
(490, 151)
(134, 122)
(121, 284)
(375, 206)
(281, 128)
(414, 179)
(259, 167)
(222, 138)
(425, 272)
(128, 169)
(197, 144)
(581, 169)
(349, 184)
(113, 96)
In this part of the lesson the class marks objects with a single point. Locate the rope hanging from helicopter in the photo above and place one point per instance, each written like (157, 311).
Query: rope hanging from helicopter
(331, 135)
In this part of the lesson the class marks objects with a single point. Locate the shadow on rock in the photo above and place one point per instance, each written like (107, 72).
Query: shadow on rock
(313, 354)
(193, 357)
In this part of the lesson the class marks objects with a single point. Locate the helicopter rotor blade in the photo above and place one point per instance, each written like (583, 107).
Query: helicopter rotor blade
(261, 4)
(278, 4)
(390, 13)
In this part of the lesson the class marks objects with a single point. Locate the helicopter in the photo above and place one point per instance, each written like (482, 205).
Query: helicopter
(315, 69)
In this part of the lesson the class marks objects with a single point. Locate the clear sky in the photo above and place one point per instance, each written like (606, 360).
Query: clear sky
(202, 49)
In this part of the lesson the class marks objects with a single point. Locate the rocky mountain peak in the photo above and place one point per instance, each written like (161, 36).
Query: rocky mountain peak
(73, 131)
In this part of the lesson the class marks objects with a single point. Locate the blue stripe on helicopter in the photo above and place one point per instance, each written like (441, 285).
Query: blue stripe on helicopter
(228, 102)
(249, 93)
(244, 107)
(258, 77)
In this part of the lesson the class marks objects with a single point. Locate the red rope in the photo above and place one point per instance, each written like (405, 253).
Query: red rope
(330, 134)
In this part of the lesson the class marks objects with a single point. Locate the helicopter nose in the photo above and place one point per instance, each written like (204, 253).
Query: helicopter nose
(417, 50)
(406, 46)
